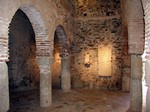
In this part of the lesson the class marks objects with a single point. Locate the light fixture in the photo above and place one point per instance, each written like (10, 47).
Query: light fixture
(104, 60)
(87, 60)
(57, 57)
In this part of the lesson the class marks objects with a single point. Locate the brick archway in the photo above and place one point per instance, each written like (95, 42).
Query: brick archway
(40, 30)
(63, 41)
(42, 52)
(43, 56)
(65, 57)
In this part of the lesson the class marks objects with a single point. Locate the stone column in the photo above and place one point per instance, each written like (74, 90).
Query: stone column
(4, 91)
(65, 74)
(45, 81)
(136, 84)
(148, 100)
(147, 79)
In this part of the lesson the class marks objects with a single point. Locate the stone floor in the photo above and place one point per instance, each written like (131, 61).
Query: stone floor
(79, 100)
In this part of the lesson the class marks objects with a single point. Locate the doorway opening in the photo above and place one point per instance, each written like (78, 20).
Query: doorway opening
(61, 66)
(56, 66)
(23, 70)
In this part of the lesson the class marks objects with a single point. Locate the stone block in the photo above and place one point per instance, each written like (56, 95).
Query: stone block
(147, 72)
(136, 66)
(126, 83)
(135, 95)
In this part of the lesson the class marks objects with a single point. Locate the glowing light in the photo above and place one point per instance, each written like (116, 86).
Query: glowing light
(87, 58)
(57, 57)
(104, 60)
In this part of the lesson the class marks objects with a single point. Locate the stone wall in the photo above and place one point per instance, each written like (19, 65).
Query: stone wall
(97, 23)
(96, 8)
(22, 68)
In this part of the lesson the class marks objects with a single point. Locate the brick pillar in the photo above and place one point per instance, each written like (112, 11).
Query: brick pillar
(4, 92)
(147, 79)
(136, 84)
(65, 74)
(45, 81)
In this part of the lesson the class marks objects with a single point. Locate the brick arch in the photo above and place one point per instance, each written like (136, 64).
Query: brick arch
(63, 41)
(136, 27)
(65, 58)
(41, 34)
(42, 51)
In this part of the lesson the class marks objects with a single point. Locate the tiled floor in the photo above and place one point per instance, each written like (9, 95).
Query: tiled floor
(79, 100)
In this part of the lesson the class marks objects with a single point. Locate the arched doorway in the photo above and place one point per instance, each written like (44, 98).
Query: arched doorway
(23, 70)
(56, 66)
(61, 66)
(41, 55)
